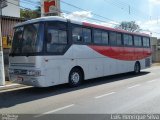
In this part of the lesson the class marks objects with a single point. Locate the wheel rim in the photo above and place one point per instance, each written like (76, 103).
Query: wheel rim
(75, 77)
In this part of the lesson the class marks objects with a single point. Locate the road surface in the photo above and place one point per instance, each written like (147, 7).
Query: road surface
(125, 93)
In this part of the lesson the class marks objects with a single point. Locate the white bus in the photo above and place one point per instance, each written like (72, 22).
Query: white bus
(50, 51)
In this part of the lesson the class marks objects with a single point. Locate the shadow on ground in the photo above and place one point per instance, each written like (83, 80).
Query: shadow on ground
(12, 98)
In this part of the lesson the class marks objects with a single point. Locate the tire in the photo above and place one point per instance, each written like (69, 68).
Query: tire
(75, 77)
(137, 68)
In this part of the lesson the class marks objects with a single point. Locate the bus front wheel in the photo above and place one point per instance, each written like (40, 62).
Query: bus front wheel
(75, 77)
(137, 68)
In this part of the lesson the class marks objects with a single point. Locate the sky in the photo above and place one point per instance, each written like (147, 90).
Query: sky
(146, 13)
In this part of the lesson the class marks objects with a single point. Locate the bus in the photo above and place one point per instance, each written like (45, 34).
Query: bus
(50, 51)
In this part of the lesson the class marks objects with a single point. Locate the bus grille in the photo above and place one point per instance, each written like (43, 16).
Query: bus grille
(22, 64)
(20, 72)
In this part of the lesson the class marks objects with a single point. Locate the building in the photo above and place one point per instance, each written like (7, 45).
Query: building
(155, 49)
(7, 34)
(12, 9)
(10, 17)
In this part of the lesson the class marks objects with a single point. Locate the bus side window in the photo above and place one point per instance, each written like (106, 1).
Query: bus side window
(56, 40)
(54, 36)
(146, 42)
(119, 39)
(113, 38)
(125, 40)
(49, 38)
(128, 40)
(105, 38)
(137, 41)
(97, 36)
(62, 37)
(87, 35)
(77, 34)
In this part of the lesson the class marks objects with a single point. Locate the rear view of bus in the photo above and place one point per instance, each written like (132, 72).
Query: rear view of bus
(52, 50)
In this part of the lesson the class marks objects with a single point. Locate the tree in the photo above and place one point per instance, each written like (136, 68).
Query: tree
(38, 9)
(30, 14)
(129, 26)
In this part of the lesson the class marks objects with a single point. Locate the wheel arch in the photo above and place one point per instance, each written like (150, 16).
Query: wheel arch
(138, 63)
(136, 71)
(80, 68)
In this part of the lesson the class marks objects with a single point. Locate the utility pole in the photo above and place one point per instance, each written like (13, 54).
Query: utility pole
(3, 3)
(129, 9)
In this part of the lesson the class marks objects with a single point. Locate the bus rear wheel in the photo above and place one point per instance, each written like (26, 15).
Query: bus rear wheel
(75, 77)
(137, 68)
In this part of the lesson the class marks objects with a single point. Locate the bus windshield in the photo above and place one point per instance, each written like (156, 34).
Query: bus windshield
(27, 39)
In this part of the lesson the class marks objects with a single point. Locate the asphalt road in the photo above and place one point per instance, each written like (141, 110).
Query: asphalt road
(125, 93)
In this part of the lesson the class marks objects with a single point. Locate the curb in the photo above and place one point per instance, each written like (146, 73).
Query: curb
(155, 64)
(10, 86)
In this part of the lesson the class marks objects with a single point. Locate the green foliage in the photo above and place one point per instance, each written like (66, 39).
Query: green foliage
(30, 14)
(129, 26)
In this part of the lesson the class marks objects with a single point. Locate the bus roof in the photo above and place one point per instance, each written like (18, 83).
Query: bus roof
(41, 19)
(57, 18)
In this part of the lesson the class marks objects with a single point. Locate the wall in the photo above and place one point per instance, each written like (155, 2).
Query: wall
(12, 10)
(8, 24)
(7, 34)
(156, 56)
(155, 49)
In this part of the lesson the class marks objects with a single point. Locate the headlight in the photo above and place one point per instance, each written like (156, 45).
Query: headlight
(33, 72)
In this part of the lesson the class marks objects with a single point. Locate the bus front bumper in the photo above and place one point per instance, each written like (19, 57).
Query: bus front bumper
(28, 80)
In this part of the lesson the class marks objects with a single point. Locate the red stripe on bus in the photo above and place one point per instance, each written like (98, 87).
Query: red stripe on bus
(123, 53)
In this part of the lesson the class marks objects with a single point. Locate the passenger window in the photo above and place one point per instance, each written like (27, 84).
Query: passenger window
(119, 39)
(113, 38)
(128, 40)
(87, 35)
(137, 41)
(125, 40)
(56, 40)
(97, 36)
(54, 35)
(146, 42)
(77, 34)
(62, 37)
(105, 38)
